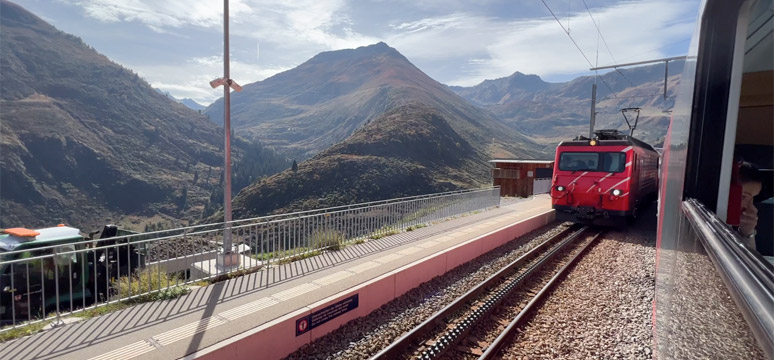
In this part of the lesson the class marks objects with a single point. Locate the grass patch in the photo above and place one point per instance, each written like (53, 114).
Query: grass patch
(360, 241)
(384, 232)
(327, 239)
(201, 283)
(139, 284)
(149, 278)
(415, 227)
(280, 254)
(286, 256)
(23, 330)
(104, 309)
(298, 257)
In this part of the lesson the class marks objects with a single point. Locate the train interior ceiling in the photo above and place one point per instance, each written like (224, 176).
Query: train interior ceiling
(754, 141)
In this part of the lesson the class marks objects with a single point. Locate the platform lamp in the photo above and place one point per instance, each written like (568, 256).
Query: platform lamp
(228, 258)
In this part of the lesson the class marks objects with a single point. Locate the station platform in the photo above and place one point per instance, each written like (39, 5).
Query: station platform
(271, 313)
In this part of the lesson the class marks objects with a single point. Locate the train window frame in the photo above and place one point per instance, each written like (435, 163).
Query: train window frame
(621, 160)
(732, 110)
(709, 105)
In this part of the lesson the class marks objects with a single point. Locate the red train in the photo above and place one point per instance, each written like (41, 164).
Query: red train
(604, 179)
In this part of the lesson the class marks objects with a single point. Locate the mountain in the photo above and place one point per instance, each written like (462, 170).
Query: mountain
(84, 141)
(551, 112)
(411, 149)
(374, 126)
(305, 110)
(192, 104)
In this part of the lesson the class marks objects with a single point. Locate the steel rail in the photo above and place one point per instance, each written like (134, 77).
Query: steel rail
(493, 350)
(421, 331)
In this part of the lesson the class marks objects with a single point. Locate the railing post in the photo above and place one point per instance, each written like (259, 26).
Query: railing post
(58, 320)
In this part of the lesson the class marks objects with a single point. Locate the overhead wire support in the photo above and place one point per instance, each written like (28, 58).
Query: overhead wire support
(576, 46)
(614, 66)
(634, 96)
(664, 60)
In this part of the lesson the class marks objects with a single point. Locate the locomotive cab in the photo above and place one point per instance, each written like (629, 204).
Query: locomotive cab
(604, 179)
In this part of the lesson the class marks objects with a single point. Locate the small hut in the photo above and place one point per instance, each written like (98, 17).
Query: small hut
(522, 178)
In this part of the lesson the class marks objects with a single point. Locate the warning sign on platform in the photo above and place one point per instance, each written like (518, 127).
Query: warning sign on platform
(326, 314)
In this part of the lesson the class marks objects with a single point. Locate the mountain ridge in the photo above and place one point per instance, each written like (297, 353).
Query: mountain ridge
(550, 112)
(304, 110)
(85, 141)
(366, 119)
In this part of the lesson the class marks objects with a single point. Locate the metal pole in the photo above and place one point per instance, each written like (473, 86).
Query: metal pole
(593, 109)
(666, 76)
(227, 137)
(638, 63)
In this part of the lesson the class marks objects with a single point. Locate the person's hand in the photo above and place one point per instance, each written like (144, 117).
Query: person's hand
(749, 218)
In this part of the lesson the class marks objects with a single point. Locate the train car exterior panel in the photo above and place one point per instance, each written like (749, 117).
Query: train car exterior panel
(603, 183)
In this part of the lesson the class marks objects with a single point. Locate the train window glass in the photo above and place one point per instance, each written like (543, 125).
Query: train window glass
(751, 190)
(578, 161)
(613, 162)
(592, 161)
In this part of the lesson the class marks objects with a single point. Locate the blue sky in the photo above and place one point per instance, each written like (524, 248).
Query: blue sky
(177, 45)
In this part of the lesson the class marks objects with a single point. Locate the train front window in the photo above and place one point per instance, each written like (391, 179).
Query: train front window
(613, 162)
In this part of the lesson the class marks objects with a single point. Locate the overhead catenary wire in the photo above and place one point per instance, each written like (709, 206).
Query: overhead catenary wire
(576, 46)
(599, 32)
(633, 96)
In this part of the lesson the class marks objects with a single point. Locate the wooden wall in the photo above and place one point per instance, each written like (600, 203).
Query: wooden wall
(515, 179)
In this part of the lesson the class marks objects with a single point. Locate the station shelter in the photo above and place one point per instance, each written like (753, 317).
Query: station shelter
(522, 178)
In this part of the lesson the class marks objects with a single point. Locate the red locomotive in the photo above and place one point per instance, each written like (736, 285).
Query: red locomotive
(604, 179)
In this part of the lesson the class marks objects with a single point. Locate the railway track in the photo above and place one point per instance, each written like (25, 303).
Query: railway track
(461, 329)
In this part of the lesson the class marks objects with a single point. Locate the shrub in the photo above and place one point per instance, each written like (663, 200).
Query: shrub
(327, 239)
(383, 232)
(149, 279)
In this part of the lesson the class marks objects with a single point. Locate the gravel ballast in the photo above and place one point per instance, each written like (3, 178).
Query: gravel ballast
(364, 337)
(601, 309)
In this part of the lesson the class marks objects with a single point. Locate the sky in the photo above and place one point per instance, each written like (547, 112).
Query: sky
(177, 45)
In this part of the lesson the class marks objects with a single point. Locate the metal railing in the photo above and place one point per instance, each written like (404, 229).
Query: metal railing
(748, 277)
(38, 283)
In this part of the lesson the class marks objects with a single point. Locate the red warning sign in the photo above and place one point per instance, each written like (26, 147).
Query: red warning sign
(301, 326)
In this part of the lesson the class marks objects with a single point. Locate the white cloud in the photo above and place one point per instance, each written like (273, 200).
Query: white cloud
(290, 23)
(289, 32)
(159, 15)
(495, 48)
(453, 41)
(191, 79)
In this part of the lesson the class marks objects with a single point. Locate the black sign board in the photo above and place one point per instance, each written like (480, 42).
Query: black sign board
(325, 314)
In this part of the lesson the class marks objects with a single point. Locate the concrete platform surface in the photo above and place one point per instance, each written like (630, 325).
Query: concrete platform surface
(259, 315)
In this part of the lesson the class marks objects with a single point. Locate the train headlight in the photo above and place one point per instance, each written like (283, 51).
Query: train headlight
(559, 188)
(617, 192)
